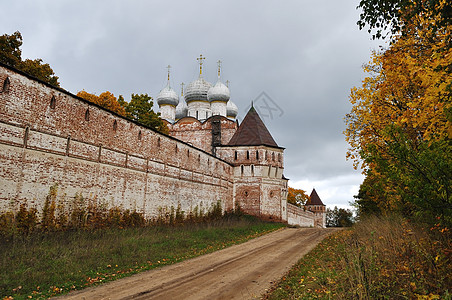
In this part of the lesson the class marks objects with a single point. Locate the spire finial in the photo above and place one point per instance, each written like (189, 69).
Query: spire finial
(227, 83)
(219, 67)
(200, 59)
(182, 89)
(168, 67)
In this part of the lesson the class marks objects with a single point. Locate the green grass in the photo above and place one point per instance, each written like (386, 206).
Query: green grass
(378, 258)
(42, 265)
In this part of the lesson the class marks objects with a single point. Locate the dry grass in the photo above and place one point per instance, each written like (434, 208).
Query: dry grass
(379, 258)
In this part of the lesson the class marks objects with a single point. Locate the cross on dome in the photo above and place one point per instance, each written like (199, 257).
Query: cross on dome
(219, 67)
(200, 59)
(182, 89)
(168, 67)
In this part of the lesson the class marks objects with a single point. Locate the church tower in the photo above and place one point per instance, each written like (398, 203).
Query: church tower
(218, 96)
(196, 96)
(167, 101)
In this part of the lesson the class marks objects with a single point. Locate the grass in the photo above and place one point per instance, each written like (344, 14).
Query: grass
(41, 265)
(378, 258)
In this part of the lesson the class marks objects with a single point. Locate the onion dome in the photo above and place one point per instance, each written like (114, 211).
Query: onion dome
(197, 90)
(181, 108)
(167, 96)
(231, 110)
(219, 92)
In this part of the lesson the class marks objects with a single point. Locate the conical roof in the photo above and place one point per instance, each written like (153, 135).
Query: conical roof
(314, 199)
(252, 132)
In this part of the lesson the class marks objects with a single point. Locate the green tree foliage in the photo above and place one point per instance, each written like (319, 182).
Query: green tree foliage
(40, 70)
(392, 16)
(400, 127)
(339, 217)
(10, 54)
(140, 109)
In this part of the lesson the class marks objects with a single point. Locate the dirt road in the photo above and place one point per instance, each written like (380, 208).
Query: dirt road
(239, 272)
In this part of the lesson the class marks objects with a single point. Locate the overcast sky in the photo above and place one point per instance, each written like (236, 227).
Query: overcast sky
(297, 60)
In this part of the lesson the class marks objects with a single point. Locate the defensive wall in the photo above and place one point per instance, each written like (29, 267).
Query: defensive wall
(49, 136)
(298, 216)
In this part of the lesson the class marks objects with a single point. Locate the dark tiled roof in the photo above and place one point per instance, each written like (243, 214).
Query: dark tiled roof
(314, 199)
(252, 132)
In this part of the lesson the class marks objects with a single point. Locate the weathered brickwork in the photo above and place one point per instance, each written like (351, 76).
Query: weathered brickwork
(49, 136)
(298, 216)
(88, 150)
(199, 134)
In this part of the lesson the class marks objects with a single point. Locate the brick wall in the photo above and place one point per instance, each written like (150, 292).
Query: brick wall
(49, 136)
(298, 216)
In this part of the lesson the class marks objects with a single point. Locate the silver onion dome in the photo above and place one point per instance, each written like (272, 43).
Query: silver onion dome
(219, 92)
(231, 109)
(181, 110)
(197, 90)
(167, 96)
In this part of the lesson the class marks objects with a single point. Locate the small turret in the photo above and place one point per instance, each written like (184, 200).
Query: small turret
(167, 101)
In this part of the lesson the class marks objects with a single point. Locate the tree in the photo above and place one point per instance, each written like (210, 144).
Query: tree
(106, 100)
(394, 16)
(399, 129)
(140, 109)
(339, 217)
(10, 54)
(40, 70)
(297, 197)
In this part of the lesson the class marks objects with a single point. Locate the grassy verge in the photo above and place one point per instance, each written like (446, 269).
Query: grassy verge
(379, 258)
(42, 265)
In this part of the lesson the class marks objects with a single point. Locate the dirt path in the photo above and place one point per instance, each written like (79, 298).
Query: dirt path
(242, 271)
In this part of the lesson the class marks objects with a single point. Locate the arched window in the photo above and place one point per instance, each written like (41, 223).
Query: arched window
(87, 114)
(247, 154)
(273, 156)
(236, 155)
(139, 135)
(53, 102)
(176, 148)
(252, 170)
(242, 169)
(6, 84)
(158, 142)
(115, 125)
(188, 152)
(279, 157)
(257, 155)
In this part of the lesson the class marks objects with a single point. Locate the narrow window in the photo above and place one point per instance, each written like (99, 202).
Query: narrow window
(87, 114)
(53, 102)
(199, 158)
(188, 152)
(196, 114)
(6, 84)
(235, 155)
(269, 170)
(273, 156)
(257, 155)
(139, 135)
(176, 148)
(266, 155)
(279, 157)
(241, 169)
(115, 125)
(247, 155)
(158, 142)
(252, 170)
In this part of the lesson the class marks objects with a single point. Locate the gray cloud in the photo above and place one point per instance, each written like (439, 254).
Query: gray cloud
(306, 55)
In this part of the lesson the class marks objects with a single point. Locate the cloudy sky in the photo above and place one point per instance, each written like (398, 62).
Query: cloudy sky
(296, 59)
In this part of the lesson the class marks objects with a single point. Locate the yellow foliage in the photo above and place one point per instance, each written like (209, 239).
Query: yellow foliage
(106, 100)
